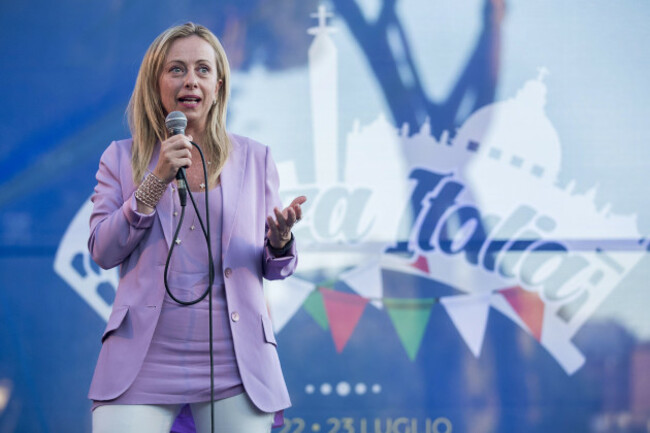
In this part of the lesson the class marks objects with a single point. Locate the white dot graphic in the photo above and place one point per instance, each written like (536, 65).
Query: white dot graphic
(343, 389)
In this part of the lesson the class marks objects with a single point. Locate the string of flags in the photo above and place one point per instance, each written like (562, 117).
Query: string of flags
(340, 312)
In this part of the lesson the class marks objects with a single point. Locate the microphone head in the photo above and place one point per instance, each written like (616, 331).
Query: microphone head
(176, 122)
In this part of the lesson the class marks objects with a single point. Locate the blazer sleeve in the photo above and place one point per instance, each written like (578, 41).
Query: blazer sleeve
(275, 268)
(116, 228)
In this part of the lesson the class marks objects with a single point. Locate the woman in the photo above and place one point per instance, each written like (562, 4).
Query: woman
(155, 353)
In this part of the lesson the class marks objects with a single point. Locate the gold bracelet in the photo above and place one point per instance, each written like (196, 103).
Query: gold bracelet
(151, 190)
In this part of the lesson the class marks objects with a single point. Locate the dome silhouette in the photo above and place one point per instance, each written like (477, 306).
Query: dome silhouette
(516, 131)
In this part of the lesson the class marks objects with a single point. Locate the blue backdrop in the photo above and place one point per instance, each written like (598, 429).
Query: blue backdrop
(473, 257)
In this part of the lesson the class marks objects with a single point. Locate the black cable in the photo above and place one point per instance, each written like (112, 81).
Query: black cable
(208, 291)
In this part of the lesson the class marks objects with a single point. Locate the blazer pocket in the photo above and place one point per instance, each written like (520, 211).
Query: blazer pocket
(115, 320)
(267, 326)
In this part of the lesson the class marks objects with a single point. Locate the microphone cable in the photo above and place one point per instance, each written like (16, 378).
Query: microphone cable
(208, 291)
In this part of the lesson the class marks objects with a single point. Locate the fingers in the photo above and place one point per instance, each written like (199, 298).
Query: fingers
(178, 143)
(274, 231)
(291, 217)
(295, 206)
(276, 238)
(175, 152)
(280, 227)
(298, 200)
(298, 212)
(284, 224)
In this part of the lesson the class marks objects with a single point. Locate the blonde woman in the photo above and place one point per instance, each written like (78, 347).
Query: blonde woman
(155, 352)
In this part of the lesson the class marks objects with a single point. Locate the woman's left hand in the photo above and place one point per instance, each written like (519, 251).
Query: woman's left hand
(280, 227)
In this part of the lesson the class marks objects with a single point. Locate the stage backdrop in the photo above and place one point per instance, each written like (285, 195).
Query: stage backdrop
(473, 256)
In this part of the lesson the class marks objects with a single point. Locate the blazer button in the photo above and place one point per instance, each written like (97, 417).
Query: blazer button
(235, 316)
(228, 272)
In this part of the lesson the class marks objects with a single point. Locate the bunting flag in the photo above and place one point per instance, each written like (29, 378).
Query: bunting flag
(316, 308)
(529, 306)
(343, 313)
(469, 313)
(285, 297)
(340, 311)
(366, 280)
(421, 264)
(410, 318)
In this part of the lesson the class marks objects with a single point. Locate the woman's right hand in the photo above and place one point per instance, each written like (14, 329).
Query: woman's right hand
(175, 152)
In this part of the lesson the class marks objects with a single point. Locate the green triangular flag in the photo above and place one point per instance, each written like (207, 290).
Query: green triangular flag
(316, 308)
(410, 318)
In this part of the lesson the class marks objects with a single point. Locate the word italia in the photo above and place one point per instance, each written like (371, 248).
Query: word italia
(518, 247)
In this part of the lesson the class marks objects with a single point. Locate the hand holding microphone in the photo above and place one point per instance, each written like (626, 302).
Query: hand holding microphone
(175, 154)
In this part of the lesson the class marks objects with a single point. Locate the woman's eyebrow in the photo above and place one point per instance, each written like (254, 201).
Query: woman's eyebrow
(183, 62)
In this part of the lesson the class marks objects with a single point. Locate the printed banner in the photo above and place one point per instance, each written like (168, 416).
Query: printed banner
(473, 253)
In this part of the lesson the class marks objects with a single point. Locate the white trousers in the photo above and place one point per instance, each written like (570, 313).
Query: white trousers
(235, 414)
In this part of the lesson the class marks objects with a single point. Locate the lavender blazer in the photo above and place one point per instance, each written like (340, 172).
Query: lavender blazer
(139, 245)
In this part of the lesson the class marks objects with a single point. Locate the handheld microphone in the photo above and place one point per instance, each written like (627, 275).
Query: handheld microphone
(175, 122)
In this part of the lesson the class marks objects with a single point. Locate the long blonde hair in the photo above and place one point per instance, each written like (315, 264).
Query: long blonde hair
(146, 114)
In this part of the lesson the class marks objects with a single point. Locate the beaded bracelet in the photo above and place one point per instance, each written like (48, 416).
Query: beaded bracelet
(150, 190)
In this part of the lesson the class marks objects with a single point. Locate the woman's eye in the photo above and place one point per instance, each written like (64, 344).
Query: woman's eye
(204, 69)
(175, 69)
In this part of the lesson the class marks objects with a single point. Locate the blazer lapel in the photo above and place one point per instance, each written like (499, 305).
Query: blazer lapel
(232, 180)
(165, 206)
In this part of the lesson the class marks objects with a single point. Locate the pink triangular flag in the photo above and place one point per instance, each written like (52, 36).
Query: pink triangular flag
(343, 313)
(421, 264)
(529, 306)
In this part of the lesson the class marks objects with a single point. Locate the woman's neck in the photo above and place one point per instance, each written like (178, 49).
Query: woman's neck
(197, 134)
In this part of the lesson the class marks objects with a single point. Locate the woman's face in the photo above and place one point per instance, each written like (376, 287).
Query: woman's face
(189, 82)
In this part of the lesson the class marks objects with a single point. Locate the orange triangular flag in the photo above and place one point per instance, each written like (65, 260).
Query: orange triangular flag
(529, 306)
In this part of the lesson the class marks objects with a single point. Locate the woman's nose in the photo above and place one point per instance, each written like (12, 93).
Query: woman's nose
(190, 80)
